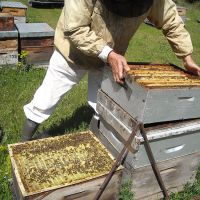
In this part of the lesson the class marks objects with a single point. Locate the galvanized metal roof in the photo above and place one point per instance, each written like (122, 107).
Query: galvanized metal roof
(9, 4)
(9, 34)
(27, 30)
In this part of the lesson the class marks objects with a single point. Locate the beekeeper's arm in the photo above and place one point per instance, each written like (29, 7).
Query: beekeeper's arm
(165, 16)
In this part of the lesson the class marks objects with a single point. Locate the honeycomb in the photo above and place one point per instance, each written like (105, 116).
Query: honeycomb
(62, 160)
(162, 76)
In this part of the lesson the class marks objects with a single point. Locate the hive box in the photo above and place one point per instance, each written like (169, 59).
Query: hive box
(6, 22)
(155, 93)
(37, 40)
(182, 12)
(177, 160)
(175, 147)
(72, 166)
(9, 47)
(17, 9)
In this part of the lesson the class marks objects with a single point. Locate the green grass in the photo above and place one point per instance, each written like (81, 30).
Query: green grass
(73, 113)
(149, 44)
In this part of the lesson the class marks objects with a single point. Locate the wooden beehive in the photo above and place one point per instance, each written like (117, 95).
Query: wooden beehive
(175, 146)
(6, 22)
(72, 166)
(8, 47)
(155, 93)
(17, 9)
(181, 10)
(37, 40)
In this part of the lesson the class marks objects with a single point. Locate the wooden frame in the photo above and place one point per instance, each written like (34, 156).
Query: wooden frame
(80, 190)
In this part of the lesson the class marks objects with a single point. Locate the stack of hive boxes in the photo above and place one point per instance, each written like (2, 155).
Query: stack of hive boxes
(37, 40)
(16, 9)
(8, 40)
(166, 100)
(16, 36)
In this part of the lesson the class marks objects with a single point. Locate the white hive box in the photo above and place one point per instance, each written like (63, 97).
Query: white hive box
(175, 146)
(155, 93)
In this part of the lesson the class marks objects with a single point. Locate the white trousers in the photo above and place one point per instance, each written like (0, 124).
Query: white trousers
(59, 79)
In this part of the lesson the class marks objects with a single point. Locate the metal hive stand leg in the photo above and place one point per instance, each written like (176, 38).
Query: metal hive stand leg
(124, 153)
(117, 163)
(153, 162)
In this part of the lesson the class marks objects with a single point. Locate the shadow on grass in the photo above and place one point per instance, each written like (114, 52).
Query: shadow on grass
(79, 120)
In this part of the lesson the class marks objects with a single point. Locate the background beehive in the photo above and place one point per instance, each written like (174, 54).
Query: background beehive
(6, 22)
(60, 161)
(8, 47)
(37, 40)
(16, 9)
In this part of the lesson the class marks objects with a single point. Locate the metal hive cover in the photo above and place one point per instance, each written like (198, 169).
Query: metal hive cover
(60, 161)
(9, 4)
(9, 34)
(30, 30)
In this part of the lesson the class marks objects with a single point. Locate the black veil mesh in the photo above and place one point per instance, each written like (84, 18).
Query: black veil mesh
(128, 8)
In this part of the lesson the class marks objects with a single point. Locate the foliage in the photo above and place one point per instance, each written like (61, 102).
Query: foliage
(23, 65)
(125, 191)
(73, 113)
(17, 89)
(190, 190)
(5, 174)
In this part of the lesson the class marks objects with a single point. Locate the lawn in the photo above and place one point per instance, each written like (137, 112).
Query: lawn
(73, 113)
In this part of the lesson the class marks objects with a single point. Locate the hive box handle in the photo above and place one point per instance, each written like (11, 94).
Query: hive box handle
(186, 98)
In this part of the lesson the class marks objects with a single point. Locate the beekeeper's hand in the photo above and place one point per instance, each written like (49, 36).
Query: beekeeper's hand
(191, 66)
(119, 66)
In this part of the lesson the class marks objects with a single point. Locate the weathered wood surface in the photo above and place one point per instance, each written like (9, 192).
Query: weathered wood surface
(114, 145)
(6, 22)
(38, 55)
(182, 141)
(19, 19)
(113, 114)
(20, 12)
(81, 191)
(10, 57)
(8, 44)
(175, 173)
(37, 42)
(153, 105)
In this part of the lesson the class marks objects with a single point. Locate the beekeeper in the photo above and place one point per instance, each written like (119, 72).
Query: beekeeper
(91, 33)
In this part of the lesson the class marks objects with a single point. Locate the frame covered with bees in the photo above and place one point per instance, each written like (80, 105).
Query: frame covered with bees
(64, 167)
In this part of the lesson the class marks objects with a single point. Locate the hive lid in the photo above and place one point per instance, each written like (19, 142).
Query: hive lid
(9, 34)
(29, 30)
(51, 163)
(9, 4)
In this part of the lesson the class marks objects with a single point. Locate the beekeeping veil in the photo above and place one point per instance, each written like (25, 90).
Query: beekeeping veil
(128, 8)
